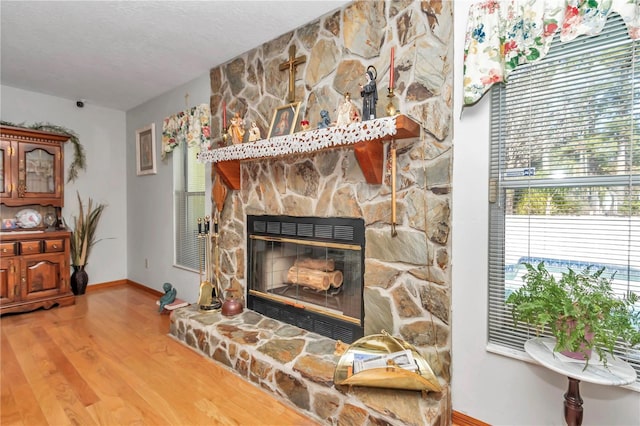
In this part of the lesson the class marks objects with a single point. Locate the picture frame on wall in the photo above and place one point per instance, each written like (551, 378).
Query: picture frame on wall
(146, 150)
(284, 120)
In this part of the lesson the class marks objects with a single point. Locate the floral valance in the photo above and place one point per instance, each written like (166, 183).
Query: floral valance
(191, 127)
(504, 34)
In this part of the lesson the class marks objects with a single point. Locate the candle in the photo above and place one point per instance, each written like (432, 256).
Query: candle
(224, 114)
(391, 70)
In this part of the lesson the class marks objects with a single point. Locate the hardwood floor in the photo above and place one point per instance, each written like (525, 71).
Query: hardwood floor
(108, 361)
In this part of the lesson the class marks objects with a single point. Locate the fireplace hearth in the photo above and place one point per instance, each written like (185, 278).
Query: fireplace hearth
(308, 272)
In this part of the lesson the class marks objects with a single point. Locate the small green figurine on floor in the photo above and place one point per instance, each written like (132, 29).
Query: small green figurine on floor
(168, 297)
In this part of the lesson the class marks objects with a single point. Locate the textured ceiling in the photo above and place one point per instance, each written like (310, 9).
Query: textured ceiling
(120, 54)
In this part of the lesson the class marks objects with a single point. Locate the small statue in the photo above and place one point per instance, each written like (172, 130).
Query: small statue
(326, 121)
(347, 112)
(237, 129)
(168, 297)
(254, 132)
(369, 93)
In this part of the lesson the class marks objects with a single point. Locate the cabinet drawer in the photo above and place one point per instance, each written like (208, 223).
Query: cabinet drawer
(52, 246)
(30, 247)
(8, 249)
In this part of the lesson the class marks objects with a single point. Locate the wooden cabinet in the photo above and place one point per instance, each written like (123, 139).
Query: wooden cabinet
(34, 271)
(34, 263)
(31, 170)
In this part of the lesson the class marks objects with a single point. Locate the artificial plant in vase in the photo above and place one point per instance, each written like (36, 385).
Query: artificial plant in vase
(580, 309)
(83, 237)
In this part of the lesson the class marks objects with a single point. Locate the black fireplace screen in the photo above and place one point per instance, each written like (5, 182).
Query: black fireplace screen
(308, 272)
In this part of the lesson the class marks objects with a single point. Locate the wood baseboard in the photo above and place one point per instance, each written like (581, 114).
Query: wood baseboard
(145, 288)
(101, 286)
(108, 284)
(460, 419)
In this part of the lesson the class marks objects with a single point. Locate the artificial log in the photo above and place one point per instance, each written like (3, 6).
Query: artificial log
(318, 280)
(318, 264)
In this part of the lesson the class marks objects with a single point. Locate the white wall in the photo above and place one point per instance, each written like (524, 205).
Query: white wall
(102, 133)
(494, 388)
(150, 197)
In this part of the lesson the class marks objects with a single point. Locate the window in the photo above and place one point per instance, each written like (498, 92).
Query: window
(565, 171)
(189, 205)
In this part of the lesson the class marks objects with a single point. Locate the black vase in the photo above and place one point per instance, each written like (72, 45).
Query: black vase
(79, 279)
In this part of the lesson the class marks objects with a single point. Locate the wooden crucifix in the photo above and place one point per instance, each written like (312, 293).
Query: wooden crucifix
(291, 65)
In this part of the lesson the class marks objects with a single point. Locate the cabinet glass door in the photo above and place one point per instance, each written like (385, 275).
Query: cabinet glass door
(38, 175)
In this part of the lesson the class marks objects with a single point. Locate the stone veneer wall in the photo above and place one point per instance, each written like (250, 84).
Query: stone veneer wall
(408, 277)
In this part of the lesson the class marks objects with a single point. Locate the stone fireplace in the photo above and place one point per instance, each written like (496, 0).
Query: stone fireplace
(405, 282)
(406, 269)
(308, 272)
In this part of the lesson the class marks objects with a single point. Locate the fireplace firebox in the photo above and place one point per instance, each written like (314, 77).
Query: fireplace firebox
(308, 272)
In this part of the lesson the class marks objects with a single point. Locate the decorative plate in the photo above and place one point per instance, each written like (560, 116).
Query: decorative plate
(28, 218)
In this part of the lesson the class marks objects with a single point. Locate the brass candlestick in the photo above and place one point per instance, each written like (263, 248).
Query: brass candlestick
(391, 109)
(225, 136)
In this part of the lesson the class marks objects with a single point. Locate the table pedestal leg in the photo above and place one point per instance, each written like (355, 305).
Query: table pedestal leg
(573, 404)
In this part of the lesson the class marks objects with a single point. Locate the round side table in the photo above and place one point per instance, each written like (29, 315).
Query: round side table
(616, 373)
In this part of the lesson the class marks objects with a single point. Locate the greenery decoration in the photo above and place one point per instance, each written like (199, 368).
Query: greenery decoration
(576, 304)
(83, 232)
(79, 158)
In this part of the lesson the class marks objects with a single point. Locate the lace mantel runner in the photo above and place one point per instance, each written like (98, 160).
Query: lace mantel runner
(304, 142)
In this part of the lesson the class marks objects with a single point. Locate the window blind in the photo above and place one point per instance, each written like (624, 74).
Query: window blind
(189, 205)
(565, 172)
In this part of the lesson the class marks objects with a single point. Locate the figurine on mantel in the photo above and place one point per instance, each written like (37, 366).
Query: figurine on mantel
(254, 132)
(237, 129)
(369, 93)
(325, 121)
(347, 112)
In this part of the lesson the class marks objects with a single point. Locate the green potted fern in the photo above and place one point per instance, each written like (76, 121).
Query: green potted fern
(580, 309)
(83, 238)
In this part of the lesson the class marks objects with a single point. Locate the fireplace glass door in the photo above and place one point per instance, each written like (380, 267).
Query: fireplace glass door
(310, 277)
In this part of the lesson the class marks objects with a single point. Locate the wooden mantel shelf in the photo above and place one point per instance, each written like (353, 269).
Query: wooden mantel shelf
(367, 139)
